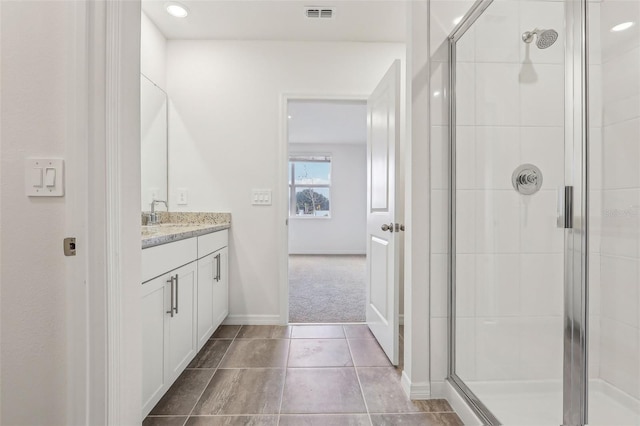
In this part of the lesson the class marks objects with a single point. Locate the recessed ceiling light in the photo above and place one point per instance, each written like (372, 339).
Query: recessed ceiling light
(289, 117)
(457, 20)
(436, 93)
(622, 27)
(177, 10)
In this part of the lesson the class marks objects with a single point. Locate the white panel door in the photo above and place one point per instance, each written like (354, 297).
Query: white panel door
(383, 120)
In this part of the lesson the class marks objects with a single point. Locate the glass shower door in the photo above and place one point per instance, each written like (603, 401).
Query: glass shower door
(512, 157)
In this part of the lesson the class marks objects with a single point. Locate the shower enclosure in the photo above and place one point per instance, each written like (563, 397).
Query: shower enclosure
(544, 241)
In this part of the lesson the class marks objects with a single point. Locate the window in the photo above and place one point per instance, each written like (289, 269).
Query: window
(310, 186)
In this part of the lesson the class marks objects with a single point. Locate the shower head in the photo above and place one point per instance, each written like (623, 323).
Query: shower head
(546, 38)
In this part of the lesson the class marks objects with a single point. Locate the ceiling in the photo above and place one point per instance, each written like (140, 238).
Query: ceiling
(343, 122)
(282, 20)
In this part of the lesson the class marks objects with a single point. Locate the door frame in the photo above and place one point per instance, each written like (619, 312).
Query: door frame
(575, 319)
(104, 354)
(282, 211)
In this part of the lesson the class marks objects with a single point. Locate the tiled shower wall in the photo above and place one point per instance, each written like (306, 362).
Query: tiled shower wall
(619, 265)
(510, 252)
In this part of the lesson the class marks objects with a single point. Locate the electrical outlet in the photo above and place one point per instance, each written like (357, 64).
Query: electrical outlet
(183, 196)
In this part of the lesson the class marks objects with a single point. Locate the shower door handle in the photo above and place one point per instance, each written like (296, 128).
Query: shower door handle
(565, 207)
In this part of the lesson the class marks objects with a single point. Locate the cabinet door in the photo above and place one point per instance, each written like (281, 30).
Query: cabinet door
(155, 379)
(221, 287)
(182, 326)
(207, 273)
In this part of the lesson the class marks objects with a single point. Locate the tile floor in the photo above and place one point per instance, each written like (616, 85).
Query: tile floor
(329, 375)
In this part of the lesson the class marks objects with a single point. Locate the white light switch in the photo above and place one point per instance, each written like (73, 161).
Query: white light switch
(261, 197)
(36, 177)
(50, 177)
(44, 177)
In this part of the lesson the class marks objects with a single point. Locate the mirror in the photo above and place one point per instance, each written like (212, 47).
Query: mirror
(153, 143)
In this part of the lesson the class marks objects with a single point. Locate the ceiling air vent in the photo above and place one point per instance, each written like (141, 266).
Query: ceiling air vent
(319, 12)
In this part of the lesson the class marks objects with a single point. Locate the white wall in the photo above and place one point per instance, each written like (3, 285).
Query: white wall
(153, 52)
(226, 138)
(345, 231)
(34, 56)
(619, 266)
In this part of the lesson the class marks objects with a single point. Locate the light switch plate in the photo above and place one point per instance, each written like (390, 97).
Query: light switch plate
(261, 197)
(36, 170)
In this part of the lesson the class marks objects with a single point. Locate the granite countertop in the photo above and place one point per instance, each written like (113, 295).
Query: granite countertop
(180, 226)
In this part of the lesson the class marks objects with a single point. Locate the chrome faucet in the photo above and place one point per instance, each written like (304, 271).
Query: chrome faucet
(153, 217)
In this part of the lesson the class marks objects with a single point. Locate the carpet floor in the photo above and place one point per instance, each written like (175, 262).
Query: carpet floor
(327, 288)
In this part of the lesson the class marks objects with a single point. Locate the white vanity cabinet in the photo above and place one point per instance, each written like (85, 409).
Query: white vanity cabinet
(185, 297)
(169, 303)
(213, 284)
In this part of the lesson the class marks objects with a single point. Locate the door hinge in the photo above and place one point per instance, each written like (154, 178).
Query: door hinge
(69, 246)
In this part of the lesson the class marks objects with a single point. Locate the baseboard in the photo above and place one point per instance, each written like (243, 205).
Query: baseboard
(445, 390)
(253, 320)
(329, 252)
(415, 391)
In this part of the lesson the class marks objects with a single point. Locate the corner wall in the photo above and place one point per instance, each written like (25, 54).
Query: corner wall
(34, 56)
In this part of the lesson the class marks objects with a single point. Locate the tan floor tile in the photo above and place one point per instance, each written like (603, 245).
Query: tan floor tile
(325, 420)
(322, 390)
(211, 354)
(242, 391)
(256, 353)
(367, 353)
(358, 331)
(317, 332)
(416, 419)
(319, 353)
(183, 395)
(226, 332)
(264, 332)
(232, 421)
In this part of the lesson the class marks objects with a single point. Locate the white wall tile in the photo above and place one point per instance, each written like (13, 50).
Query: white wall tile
(538, 223)
(466, 174)
(620, 223)
(594, 284)
(542, 102)
(497, 285)
(439, 221)
(497, 156)
(621, 147)
(466, 215)
(465, 285)
(619, 291)
(439, 157)
(544, 147)
(497, 33)
(542, 284)
(497, 221)
(619, 356)
(541, 342)
(497, 94)
(497, 349)
(465, 94)
(621, 82)
(466, 348)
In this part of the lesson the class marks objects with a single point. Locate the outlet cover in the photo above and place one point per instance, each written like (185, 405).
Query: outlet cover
(183, 197)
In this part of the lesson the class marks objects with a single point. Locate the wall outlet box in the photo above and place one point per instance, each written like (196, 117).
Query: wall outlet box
(183, 197)
(261, 197)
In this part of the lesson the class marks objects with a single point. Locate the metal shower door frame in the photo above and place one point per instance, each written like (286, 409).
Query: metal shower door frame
(575, 320)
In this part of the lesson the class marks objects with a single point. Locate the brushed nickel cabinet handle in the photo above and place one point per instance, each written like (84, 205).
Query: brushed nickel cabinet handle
(176, 308)
(170, 311)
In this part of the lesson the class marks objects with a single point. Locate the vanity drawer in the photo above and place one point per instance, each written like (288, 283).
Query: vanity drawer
(167, 257)
(209, 243)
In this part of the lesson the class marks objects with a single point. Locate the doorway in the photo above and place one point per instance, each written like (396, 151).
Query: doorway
(327, 172)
